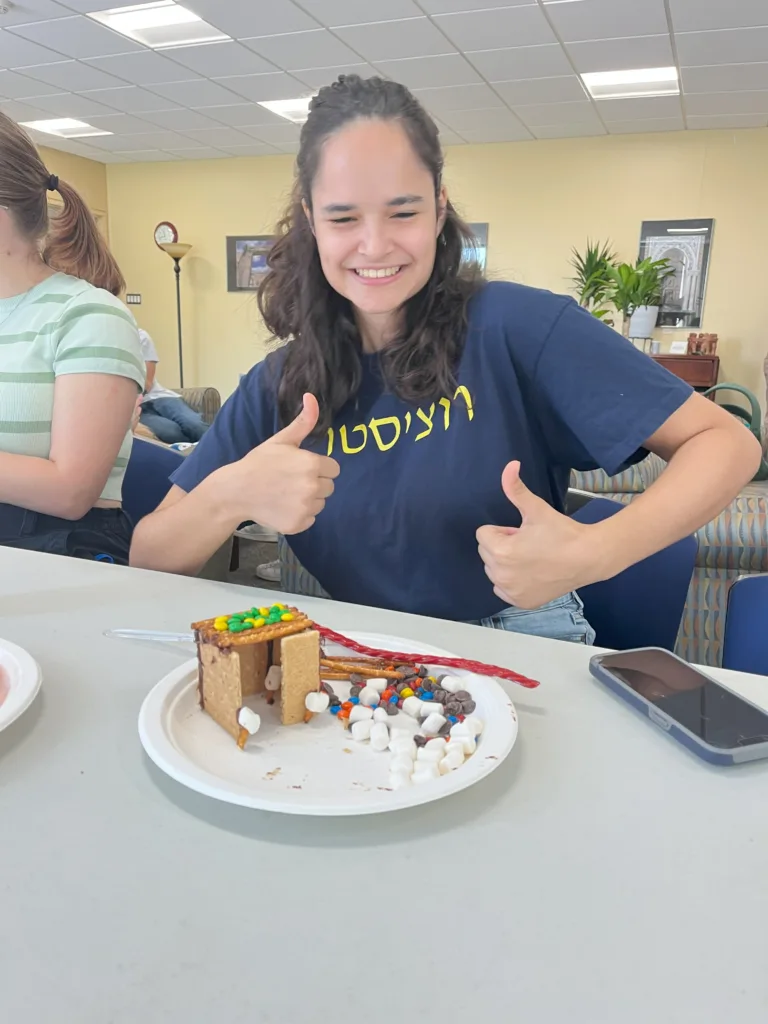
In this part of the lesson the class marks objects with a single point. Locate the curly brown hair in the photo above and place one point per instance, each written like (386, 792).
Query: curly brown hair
(300, 307)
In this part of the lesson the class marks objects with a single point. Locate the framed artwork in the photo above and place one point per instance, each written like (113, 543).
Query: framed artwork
(687, 245)
(477, 253)
(247, 261)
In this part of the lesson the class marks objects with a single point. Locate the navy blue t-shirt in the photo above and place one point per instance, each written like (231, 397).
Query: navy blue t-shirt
(540, 380)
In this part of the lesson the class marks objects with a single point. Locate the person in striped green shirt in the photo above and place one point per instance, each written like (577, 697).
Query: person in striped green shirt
(70, 368)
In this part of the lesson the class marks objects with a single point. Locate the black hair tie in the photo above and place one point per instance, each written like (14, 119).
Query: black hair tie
(53, 183)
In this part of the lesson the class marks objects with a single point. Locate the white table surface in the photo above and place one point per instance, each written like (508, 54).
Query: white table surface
(601, 876)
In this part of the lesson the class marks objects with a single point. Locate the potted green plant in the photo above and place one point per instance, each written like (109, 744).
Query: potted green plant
(591, 280)
(635, 291)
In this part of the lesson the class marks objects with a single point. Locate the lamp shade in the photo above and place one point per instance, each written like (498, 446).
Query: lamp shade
(176, 250)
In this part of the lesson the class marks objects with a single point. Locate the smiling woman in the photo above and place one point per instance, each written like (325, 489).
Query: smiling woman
(388, 435)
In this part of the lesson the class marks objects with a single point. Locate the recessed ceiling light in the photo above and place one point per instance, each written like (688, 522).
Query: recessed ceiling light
(292, 110)
(617, 85)
(162, 23)
(65, 128)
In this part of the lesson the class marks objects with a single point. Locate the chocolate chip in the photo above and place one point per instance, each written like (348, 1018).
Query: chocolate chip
(468, 706)
(453, 708)
(463, 695)
(399, 687)
(445, 729)
(440, 695)
(356, 679)
(420, 741)
(327, 687)
(391, 709)
(439, 679)
(428, 685)
(355, 691)
(334, 701)
(423, 672)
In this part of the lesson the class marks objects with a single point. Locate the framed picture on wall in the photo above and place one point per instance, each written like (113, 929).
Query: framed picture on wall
(687, 245)
(478, 252)
(247, 261)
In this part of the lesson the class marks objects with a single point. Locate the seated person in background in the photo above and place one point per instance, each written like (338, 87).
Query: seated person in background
(414, 436)
(70, 368)
(165, 412)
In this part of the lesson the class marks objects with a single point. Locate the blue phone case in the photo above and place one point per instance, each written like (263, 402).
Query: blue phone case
(714, 755)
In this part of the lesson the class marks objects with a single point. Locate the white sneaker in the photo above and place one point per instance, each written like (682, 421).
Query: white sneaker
(256, 532)
(269, 571)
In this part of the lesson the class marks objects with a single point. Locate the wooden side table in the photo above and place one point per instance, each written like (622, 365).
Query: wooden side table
(701, 372)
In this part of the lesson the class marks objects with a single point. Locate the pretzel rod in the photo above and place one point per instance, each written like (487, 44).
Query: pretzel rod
(349, 660)
(429, 659)
(333, 675)
(370, 673)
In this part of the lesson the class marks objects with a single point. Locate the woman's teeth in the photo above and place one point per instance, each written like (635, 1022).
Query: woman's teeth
(383, 272)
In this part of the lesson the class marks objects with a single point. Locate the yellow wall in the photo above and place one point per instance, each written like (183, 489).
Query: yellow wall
(87, 176)
(540, 199)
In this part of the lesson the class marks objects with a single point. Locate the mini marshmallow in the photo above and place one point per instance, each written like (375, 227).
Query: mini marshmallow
(379, 685)
(399, 743)
(249, 720)
(432, 724)
(456, 744)
(359, 713)
(460, 729)
(431, 707)
(431, 756)
(412, 706)
(425, 771)
(316, 702)
(399, 780)
(468, 744)
(451, 685)
(401, 762)
(437, 744)
(451, 762)
(379, 736)
(369, 696)
(380, 715)
(361, 731)
(273, 678)
(474, 725)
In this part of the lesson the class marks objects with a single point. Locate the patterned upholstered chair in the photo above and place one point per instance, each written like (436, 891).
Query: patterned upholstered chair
(734, 544)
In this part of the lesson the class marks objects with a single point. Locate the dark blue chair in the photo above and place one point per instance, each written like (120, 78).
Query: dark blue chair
(642, 606)
(745, 646)
(147, 475)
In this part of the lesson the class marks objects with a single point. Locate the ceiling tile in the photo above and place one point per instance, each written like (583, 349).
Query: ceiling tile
(34, 10)
(568, 131)
(146, 156)
(179, 120)
(14, 86)
(240, 18)
(393, 40)
(241, 114)
(148, 67)
(542, 90)
(198, 153)
(16, 52)
(198, 93)
(260, 88)
(218, 137)
(518, 62)
(459, 97)
(318, 48)
(650, 124)
(723, 78)
(316, 78)
(216, 59)
(73, 76)
(275, 134)
(505, 26)
(17, 110)
(120, 143)
(622, 54)
(121, 124)
(693, 15)
(69, 104)
(448, 137)
(727, 121)
(152, 140)
(639, 107)
(457, 6)
(727, 103)
(736, 46)
(84, 6)
(607, 19)
(353, 12)
(430, 72)
(130, 99)
(478, 136)
(578, 112)
(77, 37)
(466, 120)
(252, 149)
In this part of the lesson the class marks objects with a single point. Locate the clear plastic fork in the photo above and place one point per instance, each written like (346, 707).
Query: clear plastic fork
(149, 634)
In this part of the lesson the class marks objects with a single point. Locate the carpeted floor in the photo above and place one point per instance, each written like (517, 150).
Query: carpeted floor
(252, 554)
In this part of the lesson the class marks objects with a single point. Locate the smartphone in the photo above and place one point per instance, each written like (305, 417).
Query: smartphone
(705, 716)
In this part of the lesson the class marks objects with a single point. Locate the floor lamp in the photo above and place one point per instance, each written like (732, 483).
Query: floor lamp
(177, 251)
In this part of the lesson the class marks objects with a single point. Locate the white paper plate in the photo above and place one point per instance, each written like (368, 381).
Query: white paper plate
(315, 768)
(20, 679)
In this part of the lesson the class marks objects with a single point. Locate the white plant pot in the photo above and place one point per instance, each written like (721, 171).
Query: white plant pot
(643, 321)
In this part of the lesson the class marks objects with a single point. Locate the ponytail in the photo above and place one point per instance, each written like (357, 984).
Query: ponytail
(73, 243)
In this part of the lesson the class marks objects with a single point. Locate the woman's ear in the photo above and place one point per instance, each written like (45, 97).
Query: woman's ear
(442, 208)
(308, 215)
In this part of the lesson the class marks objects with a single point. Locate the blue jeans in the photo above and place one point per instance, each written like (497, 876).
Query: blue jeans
(562, 619)
(171, 420)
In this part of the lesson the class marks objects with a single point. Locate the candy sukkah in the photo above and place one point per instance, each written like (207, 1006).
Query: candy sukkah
(394, 702)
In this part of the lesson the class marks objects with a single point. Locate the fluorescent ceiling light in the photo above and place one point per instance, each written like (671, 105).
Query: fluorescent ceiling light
(162, 23)
(617, 85)
(292, 110)
(65, 128)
